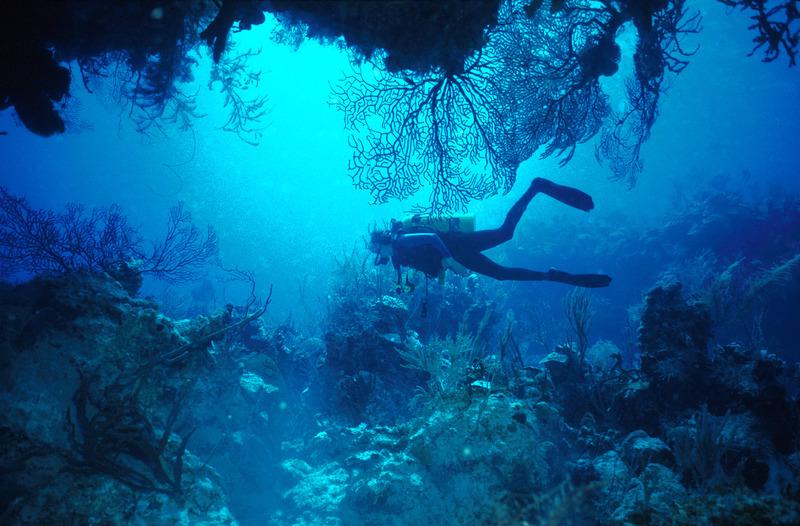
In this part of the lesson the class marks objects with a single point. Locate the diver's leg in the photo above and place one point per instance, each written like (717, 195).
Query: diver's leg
(486, 239)
(566, 194)
(592, 281)
(481, 240)
(483, 265)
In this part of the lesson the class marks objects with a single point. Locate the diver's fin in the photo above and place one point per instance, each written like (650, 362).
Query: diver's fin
(566, 194)
(592, 281)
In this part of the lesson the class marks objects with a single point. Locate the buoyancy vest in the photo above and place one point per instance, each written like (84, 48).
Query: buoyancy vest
(423, 257)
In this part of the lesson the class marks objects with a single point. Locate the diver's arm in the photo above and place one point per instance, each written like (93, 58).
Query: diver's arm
(423, 239)
(431, 242)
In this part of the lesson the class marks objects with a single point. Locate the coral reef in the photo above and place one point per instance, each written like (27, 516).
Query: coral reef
(490, 81)
(97, 426)
(467, 463)
(363, 368)
(40, 241)
(414, 406)
(712, 241)
(503, 455)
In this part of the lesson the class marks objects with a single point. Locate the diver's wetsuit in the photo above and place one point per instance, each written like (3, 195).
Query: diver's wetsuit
(425, 251)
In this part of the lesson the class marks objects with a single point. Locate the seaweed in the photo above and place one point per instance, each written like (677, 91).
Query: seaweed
(42, 241)
(777, 24)
(438, 128)
(231, 76)
(112, 434)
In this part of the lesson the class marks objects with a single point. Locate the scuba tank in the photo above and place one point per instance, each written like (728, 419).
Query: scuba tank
(426, 223)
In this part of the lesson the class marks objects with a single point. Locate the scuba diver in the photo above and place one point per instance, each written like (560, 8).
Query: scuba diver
(432, 251)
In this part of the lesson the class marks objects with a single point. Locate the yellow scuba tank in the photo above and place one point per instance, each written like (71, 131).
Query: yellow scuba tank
(458, 223)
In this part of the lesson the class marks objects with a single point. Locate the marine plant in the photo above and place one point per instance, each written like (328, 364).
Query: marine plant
(447, 364)
(41, 241)
(469, 89)
(578, 311)
(699, 447)
(112, 434)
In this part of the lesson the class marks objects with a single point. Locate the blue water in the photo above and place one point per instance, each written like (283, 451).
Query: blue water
(725, 115)
(285, 206)
(286, 209)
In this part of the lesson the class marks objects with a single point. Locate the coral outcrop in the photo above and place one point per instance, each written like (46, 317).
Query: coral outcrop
(374, 424)
(90, 426)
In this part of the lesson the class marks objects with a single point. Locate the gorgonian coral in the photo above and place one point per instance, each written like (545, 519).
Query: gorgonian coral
(533, 87)
(438, 129)
(40, 241)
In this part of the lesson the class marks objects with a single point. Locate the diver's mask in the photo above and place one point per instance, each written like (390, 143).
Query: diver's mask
(381, 258)
(382, 246)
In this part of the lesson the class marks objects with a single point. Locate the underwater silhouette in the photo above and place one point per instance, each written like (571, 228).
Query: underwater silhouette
(459, 75)
(433, 251)
(151, 374)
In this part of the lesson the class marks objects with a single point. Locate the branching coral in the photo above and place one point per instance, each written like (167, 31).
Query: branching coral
(464, 131)
(578, 310)
(40, 241)
(184, 249)
(659, 51)
(549, 77)
(149, 50)
(739, 296)
(534, 84)
(438, 129)
(233, 79)
(447, 364)
(699, 448)
(154, 93)
(780, 34)
(112, 435)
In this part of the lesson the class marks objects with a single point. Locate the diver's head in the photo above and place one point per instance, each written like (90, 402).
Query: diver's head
(380, 242)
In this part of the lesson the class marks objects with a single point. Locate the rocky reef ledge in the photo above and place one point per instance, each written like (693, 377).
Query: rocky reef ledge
(112, 413)
(89, 424)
